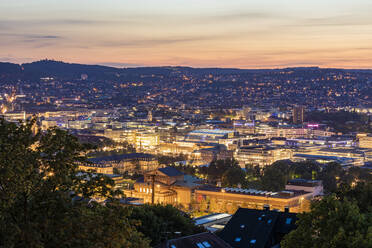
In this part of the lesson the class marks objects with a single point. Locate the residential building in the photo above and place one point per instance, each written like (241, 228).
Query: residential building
(298, 115)
(258, 228)
(200, 240)
(213, 222)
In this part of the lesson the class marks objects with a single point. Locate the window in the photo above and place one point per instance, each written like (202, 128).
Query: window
(200, 245)
(173, 246)
(253, 241)
(269, 221)
(238, 239)
(206, 244)
(288, 221)
(242, 226)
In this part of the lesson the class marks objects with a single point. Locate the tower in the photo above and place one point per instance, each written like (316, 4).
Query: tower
(298, 115)
(149, 116)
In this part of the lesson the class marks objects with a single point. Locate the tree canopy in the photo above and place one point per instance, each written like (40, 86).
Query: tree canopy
(160, 223)
(46, 202)
(275, 176)
(217, 168)
(342, 219)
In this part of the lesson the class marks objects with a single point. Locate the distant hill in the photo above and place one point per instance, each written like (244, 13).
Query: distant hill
(51, 68)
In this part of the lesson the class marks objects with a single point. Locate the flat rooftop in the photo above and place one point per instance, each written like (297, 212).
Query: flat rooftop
(285, 194)
(210, 218)
(211, 131)
(304, 182)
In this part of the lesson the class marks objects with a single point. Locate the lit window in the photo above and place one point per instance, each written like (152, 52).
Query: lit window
(242, 226)
(206, 244)
(253, 241)
(288, 221)
(200, 245)
(238, 239)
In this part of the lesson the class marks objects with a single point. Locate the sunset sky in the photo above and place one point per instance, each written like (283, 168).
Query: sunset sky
(199, 33)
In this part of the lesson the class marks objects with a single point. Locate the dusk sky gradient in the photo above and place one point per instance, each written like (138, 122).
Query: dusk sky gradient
(199, 33)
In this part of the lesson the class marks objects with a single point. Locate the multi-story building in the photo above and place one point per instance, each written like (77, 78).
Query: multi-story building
(261, 155)
(15, 116)
(209, 135)
(365, 140)
(121, 135)
(97, 168)
(45, 124)
(298, 115)
(170, 187)
(345, 156)
(79, 124)
(332, 141)
(128, 162)
(147, 141)
(313, 186)
(217, 199)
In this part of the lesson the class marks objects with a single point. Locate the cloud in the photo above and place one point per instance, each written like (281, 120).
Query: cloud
(55, 23)
(17, 60)
(243, 15)
(341, 20)
(156, 42)
(31, 36)
(44, 36)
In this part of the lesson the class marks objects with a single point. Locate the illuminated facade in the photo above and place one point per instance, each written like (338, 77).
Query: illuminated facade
(261, 155)
(365, 141)
(230, 199)
(146, 141)
(209, 135)
(97, 168)
(171, 187)
(298, 115)
(128, 162)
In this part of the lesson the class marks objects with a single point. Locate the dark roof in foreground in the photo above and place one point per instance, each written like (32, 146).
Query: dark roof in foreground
(257, 228)
(200, 240)
(170, 171)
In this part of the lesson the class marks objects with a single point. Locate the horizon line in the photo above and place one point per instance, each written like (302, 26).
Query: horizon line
(112, 65)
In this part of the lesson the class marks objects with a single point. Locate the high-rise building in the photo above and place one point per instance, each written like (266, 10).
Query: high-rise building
(298, 115)
(149, 116)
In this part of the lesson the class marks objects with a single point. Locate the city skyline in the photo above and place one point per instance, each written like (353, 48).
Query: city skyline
(238, 34)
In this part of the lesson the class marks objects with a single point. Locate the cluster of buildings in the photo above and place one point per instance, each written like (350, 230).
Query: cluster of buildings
(51, 85)
(201, 114)
(254, 139)
(170, 186)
